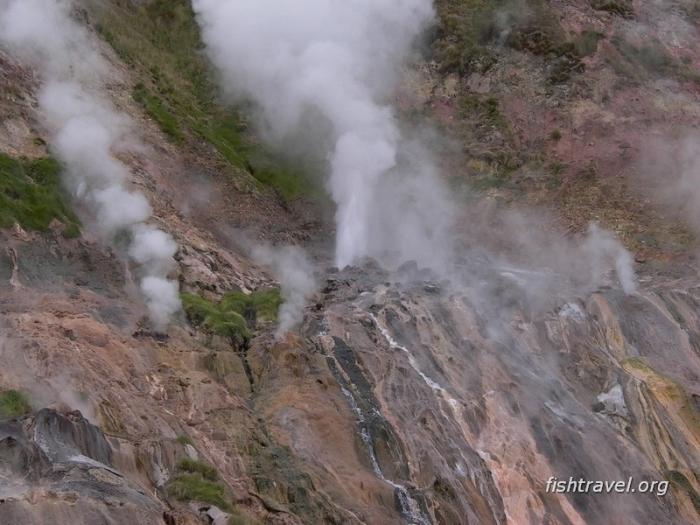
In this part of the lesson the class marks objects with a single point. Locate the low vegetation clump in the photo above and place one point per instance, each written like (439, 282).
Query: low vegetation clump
(587, 42)
(465, 29)
(161, 41)
(13, 404)
(233, 314)
(32, 196)
(194, 487)
(487, 109)
(215, 320)
(264, 304)
(185, 440)
(471, 31)
(198, 481)
(236, 518)
(155, 107)
(192, 466)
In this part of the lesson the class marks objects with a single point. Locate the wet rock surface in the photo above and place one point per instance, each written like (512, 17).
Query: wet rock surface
(465, 418)
(405, 397)
(57, 468)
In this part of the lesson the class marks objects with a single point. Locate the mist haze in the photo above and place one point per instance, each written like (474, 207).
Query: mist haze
(87, 131)
(340, 62)
(404, 261)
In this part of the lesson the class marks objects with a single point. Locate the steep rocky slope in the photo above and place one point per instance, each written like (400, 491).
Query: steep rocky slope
(403, 397)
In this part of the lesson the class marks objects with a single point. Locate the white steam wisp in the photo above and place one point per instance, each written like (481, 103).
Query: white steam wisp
(337, 61)
(86, 131)
(291, 266)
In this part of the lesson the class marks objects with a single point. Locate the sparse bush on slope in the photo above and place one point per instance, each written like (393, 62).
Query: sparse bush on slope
(31, 195)
(13, 404)
(160, 41)
(233, 314)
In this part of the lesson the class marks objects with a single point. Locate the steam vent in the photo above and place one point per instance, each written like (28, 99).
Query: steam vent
(323, 262)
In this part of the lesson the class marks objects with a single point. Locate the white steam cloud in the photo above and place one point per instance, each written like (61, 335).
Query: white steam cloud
(338, 61)
(335, 65)
(87, 131)
(669, 168)
(292, 268)
(604, 251)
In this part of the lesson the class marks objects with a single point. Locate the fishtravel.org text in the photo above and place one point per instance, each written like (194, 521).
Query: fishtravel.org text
(628, 486)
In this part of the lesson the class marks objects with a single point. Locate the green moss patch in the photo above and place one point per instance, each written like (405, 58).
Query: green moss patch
(198, 481)
(13, 404)
(213, 319)
(263, 303)
(486, 109)
(192, 466)
(650, 58)
(233, 314)
(470, 32)
(32, 196)
(185, 440)
(157, 109)
(466, 26)
(193, 487)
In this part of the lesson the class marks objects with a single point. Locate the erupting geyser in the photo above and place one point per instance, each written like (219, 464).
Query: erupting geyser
(338, 61)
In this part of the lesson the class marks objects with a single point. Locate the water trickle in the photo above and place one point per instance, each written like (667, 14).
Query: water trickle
(410, 509)
(444, 394)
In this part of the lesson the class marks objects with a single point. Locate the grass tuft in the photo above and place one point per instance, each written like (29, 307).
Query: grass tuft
(263, 303)
(197, 481)
(192, 466)
(32, 196)
(13, 404)
(160, 40)
(215, 320)
(185, 440)
(193, 487)
(233, 314)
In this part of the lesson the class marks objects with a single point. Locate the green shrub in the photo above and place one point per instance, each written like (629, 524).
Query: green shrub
(197, 481)
(193, 466)
(194, 487)
(31, 195)
(13, 404)
(185, 440)
(215, 320)
(158, 111)
(486, 109)
(465, 28)
(236, 518)
(263, 303)
(227, 318)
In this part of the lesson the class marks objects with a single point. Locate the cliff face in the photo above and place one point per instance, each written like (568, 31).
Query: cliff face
(402, 397)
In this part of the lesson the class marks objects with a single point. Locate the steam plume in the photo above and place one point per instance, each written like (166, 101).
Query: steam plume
(670, 170)
(292, 267)
(86, 131)
(338, 60)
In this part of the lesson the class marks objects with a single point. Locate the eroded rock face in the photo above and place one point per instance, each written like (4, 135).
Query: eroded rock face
(460, 418)
(403, 399)
(57, 468)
